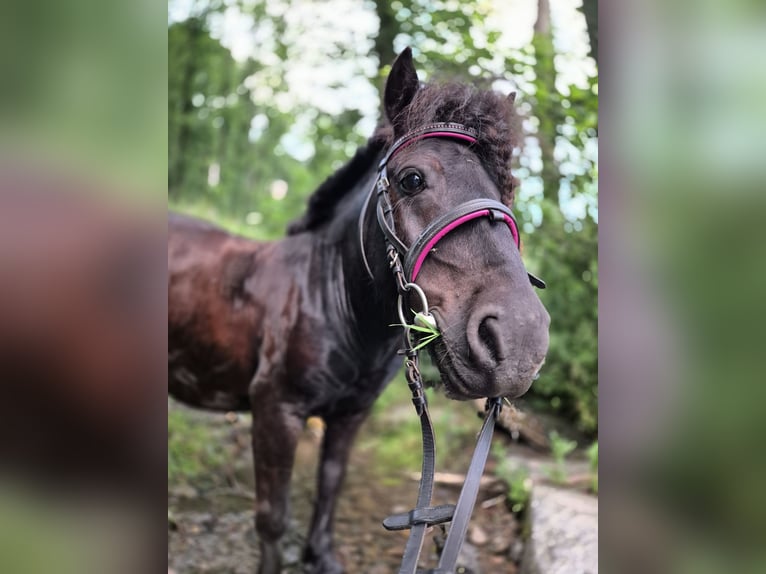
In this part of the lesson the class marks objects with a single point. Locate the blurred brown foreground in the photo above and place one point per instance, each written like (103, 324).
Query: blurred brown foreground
(82, 350)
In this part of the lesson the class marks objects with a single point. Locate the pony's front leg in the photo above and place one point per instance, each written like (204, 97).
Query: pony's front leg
(276, 428)
(336, 446)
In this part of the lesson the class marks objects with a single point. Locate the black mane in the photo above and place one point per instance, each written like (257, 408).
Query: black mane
(322, 203)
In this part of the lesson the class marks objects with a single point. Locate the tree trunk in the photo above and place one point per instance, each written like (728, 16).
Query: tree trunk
(178, 171)
(543, 22)
(547, 108)
(389, 28)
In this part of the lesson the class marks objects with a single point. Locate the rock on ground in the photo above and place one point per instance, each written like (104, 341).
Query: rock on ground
(563, 527)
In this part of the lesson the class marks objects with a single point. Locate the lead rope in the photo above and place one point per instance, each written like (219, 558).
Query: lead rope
(470, 491)
(425, 515)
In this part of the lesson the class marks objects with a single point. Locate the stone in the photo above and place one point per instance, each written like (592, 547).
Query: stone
(184, 491)
(563, 532)
(500, 544)
(477, 536)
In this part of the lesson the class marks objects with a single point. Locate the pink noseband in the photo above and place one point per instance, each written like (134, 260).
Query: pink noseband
(457, 223)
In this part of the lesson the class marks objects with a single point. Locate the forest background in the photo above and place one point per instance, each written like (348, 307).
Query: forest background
(267, 98)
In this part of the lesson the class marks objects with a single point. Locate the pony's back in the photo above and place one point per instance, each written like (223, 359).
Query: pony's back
(211, 319)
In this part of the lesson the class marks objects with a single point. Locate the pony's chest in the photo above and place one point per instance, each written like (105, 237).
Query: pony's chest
(348, 381)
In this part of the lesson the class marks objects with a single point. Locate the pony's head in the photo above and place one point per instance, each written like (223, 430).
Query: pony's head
(450, 190)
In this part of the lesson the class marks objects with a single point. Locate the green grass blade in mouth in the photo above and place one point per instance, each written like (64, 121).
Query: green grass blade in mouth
(425, 324)
(425, 341)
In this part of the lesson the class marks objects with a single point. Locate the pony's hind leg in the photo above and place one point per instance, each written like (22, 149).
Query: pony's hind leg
(336, 446)
(275, 432)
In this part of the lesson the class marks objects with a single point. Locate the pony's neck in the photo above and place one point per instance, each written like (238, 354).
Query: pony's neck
(366, 304)
(371, 299)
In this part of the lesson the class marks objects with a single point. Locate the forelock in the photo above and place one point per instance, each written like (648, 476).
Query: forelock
(488, 113)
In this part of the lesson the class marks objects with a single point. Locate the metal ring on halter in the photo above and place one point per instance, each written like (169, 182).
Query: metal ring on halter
(423, 301)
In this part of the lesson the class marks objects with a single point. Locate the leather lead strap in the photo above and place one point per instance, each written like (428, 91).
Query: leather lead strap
(469, 492)
(424, 515)
(425, 492)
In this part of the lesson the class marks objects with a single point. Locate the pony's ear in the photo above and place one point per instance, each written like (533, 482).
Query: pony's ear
(401, 85)
(511, 98)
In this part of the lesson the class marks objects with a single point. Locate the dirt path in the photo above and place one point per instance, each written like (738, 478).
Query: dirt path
(210, 519)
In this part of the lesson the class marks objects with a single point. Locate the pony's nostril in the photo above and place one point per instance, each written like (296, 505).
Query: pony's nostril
(489, 338)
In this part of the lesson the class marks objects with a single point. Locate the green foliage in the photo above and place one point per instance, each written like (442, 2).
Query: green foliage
(210, 212)
(425, 327)
(560, 449)
(564, 248)
(592, 453)
(516, 477)
(519, 490)
(450, 40)
(226, 151)
(565, 255)
(208, 115)
(397, 445)
(192, 452)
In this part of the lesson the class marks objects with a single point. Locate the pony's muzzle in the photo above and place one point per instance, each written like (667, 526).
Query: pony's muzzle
(508, 350)
(486, 341)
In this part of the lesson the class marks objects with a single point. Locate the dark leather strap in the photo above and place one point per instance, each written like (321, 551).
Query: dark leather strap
(536, 281)
(424, 515)
(440, 127)
(428, 515)
(384, 213)
(425, 492)
(470, 491)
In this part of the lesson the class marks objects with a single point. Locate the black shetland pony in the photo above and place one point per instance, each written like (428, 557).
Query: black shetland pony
(301, 326)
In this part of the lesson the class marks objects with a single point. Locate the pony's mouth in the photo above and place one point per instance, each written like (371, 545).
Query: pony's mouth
(463, 381)
(455, 385)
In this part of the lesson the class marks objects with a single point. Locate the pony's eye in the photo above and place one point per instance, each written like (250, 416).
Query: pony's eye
(412, 182)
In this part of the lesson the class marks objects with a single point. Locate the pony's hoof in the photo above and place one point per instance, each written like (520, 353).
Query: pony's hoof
(326, 564)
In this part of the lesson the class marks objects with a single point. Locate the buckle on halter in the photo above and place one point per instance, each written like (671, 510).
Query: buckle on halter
(496, 215)
(429, 515)
(383, 184)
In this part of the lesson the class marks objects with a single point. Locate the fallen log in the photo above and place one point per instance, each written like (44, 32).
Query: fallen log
(519, 425)
(490, 483)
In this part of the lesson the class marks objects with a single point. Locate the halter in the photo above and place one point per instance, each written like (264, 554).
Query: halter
(414, 256)
(406, 263)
